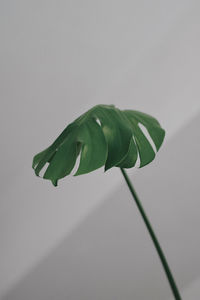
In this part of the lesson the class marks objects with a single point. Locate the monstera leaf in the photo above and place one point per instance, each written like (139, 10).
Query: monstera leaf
(107, 136)
(104, 135)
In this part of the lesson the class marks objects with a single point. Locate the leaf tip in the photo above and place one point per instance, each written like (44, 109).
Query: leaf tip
(54, 182)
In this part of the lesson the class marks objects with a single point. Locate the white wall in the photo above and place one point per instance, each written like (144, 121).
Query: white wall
(110, 255)
(58, 58)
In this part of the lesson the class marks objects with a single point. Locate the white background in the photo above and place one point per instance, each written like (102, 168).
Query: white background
(59, 58)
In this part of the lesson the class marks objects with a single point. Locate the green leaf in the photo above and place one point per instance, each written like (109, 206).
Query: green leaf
(131, 157)
(63, 161)
(103, 136)
(94, 147)
(117, 133)
(153, 127)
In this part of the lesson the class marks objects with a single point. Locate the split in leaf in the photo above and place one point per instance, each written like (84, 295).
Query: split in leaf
(103, 136)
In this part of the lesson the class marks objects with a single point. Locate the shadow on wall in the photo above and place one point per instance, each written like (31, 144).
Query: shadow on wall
(110, 256)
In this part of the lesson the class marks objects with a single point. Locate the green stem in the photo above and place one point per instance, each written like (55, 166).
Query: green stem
(154, 239)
